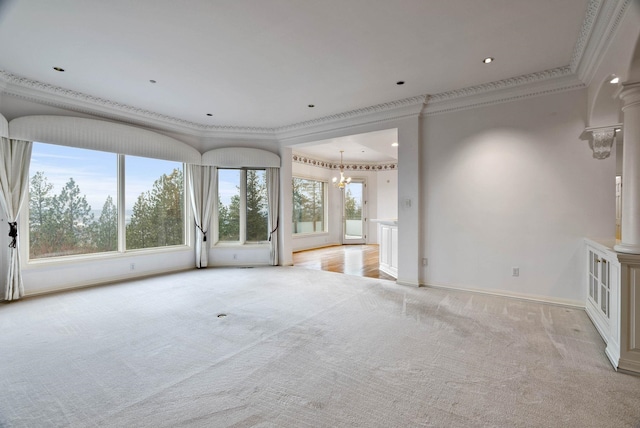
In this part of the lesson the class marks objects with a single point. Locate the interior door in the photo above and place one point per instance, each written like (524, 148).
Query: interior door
(354, 212)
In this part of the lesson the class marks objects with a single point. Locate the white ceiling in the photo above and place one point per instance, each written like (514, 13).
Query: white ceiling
(260, 63)
(369, 147)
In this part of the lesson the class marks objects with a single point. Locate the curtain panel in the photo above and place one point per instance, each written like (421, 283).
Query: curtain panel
(202, 185)
(273, 192)
(14, 183)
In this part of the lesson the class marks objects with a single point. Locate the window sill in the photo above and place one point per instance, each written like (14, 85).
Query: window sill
(309, 235)
(85, 258)
(246, 245)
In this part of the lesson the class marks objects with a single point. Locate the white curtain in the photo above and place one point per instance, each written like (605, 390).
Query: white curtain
(202, 184)
(273, 187)
(14, 182)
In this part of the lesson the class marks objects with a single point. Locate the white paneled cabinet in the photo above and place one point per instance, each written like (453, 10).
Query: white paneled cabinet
(613, 302)
(388, 236)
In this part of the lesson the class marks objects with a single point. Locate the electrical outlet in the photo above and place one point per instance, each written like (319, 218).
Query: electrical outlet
(235, 257)
(515, 271)
(132, 266)
(425, 261)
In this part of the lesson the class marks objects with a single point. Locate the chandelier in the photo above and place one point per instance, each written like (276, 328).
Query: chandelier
(340, 184)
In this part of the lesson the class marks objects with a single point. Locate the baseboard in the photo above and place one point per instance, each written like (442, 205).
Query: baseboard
(574, 304)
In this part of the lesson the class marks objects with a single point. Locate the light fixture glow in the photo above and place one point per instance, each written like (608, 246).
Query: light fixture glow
(343, 181)
(615, 80)
(488, 60)
(618, 129)
(394, 144)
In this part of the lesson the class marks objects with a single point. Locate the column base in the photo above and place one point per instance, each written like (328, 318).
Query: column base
(627, 248)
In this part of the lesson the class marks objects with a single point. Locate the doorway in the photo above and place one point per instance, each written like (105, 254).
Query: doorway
(354, 204)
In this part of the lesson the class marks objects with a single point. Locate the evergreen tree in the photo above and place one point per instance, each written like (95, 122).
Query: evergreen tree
(352, 209)
(157, 218)
(71, 220)
(256, 206)
(230, 228)
(107, 228)
(40, 200)
(140, 231)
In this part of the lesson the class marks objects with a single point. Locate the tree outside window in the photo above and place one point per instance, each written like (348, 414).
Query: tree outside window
(242, 205)
(308, 206)
(66, 184)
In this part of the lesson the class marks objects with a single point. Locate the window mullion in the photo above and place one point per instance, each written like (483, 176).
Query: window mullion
(121, 206)
(243, 206)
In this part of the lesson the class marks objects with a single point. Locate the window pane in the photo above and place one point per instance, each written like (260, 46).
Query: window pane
(229, 204)
(72, 197)
(257, 206)
(154, 203)
(308, 206)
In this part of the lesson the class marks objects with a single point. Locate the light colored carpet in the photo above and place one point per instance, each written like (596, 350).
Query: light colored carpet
(302, 348)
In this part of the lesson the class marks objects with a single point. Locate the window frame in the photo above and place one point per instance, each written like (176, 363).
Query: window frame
(325, 207)
(215, 222)
(121, 251)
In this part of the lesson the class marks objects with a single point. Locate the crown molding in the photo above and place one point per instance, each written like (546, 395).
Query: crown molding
(375, 167)
(530, 85)
(585, 33)
(400, 109)
(600, 25)
(56, 96)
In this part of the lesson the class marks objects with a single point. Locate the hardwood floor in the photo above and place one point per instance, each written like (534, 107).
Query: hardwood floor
(360, 260)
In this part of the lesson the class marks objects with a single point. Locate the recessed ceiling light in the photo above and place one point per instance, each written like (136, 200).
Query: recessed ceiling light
(615, 80)
(400, 82)
(311, 106)
(209, 114)
(488, 60)
(394, 144)
(60, 69)
(152, 81)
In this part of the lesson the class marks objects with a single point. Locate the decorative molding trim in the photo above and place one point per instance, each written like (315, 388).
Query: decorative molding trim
(585, 33)
(530, 85)
(604, 18)
(601, 21)
(417, 101)
(34, 90)
(305, 160)
(501, 84)
(394, 110)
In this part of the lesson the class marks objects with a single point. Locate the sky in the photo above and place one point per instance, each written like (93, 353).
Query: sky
(95, 172)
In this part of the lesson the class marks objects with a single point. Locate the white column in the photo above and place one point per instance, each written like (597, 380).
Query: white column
(630, 242)
(410, 220)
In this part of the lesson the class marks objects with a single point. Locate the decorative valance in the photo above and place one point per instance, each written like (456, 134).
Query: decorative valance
(4, 127)
(102, 135)
(241, 157)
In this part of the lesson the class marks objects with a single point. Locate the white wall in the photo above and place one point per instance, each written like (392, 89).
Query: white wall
(387, 194)
(511, 185)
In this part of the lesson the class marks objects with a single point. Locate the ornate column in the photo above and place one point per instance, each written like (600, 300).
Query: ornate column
(630, 242)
